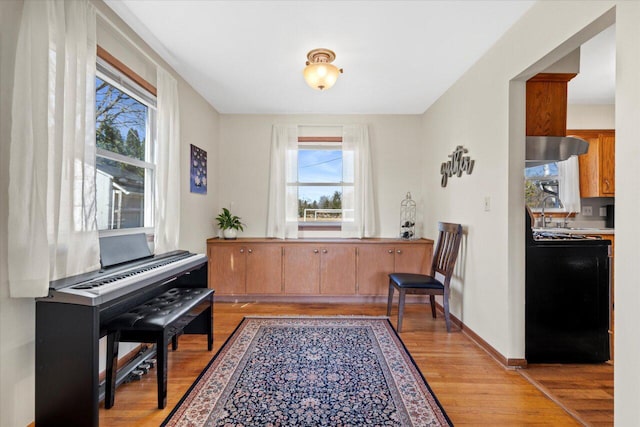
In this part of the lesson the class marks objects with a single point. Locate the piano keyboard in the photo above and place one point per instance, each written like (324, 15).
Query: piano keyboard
(114, 281)
(108, 287)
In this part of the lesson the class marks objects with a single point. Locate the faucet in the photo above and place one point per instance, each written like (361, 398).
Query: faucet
(544, 199)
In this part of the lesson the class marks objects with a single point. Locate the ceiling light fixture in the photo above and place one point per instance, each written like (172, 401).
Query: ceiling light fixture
(320, 73)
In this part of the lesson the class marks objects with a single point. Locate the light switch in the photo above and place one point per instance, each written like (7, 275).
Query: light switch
(603, 211)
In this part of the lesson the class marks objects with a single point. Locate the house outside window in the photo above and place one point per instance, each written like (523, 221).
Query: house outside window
(125, 139)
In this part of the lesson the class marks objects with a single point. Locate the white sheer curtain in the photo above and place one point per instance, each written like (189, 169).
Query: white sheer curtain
(282, 214)
(359, 218)
(167, 194)
(569, 184)
(52, 222)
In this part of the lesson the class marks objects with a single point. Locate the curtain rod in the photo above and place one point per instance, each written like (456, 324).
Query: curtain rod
(126, 37)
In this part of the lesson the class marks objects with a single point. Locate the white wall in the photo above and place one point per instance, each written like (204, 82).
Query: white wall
(484, 111)
(591, 116)
(199, 126)
(627, 291)
(243, 168)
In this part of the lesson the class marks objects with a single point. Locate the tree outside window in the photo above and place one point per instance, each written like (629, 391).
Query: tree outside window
(124, 176)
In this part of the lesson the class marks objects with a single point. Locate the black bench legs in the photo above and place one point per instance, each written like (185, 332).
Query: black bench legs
(159, 321)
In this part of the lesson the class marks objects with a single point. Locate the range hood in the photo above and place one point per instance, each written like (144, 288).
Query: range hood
(547, 121)
(546, 149)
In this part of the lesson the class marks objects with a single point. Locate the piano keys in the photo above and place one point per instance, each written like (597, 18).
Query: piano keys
(71, 320)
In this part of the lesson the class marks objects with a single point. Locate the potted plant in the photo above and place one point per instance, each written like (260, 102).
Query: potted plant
(229, 224)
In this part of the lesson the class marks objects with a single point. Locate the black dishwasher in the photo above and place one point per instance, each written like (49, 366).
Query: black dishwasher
(567, 299)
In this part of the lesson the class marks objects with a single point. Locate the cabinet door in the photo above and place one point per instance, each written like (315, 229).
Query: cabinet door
(264, 269)
(413, 259)
(375, 262)
(338, 270)
(607, 165)
(301, 269)
(588, 165)
(227, 269)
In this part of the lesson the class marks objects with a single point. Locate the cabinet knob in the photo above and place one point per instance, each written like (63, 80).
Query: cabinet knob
(241, 251)
(315, 251)
(324, 251)
(398, 251)
(390, 251)
(250, 251)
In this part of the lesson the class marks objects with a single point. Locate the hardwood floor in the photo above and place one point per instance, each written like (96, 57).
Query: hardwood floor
(585, 391)
(472, 387)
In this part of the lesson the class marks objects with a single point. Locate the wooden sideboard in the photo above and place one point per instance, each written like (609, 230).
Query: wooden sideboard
(254, 269)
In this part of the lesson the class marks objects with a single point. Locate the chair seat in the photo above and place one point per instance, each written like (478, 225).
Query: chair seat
(416, 281)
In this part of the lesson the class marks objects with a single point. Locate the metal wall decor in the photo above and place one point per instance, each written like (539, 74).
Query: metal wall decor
(407, 218)
(458, 164)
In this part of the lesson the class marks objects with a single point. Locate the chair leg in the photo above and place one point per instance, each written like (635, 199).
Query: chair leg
(113, 341)
(390, 300)
(432, 302)
(445, 306)
(400, 309)
(161, 369)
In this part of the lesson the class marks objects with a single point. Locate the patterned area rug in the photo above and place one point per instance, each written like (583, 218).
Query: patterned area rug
(310, 371)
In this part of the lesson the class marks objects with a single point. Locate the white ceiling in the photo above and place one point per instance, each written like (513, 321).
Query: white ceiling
(247, 57)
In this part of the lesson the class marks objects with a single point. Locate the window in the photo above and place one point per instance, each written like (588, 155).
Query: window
(331, 171)
(125, 136)
(320, 183)
(542, 185)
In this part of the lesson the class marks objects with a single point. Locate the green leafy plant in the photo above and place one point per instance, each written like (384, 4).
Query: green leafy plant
(226, 220)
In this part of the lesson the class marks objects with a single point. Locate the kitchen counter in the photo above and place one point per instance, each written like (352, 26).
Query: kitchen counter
(582, 231)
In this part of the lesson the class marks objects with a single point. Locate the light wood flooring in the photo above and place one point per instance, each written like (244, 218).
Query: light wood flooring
(472, 387)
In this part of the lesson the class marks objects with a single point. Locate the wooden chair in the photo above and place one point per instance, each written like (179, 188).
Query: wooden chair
(444, 259)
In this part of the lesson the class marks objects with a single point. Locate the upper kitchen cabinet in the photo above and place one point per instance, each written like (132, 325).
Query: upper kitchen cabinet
(597, 166)
(547, 104)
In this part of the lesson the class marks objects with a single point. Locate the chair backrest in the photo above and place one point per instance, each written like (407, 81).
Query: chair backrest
(446, 253)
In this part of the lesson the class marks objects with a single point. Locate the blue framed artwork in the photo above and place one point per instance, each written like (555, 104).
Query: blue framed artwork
(198, 170)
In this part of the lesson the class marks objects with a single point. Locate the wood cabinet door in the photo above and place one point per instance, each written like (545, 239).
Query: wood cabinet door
(264, 268)
(413, 259)
(588, 165)
(375, 262)
(227, 269)
(607, 164)
(338, 270)
(301, 269)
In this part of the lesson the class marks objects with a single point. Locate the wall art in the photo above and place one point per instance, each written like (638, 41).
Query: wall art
(198, 169)
(459, 163)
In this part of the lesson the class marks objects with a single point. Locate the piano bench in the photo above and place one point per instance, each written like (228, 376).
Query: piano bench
(156, 321)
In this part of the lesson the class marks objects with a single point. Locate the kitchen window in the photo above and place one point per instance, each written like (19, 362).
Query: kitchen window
(554, 186)
(542, 185)
(125, 139)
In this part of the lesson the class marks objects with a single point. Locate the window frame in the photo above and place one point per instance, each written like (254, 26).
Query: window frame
(115, 73)
(320, 143)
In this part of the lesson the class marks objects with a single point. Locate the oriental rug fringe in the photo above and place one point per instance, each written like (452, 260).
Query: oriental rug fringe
(310, 371)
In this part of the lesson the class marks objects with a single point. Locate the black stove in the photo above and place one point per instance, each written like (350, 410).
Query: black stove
(540, 235)
(566, 297)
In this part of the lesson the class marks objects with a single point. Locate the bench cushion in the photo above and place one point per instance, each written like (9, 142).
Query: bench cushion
(163, 310)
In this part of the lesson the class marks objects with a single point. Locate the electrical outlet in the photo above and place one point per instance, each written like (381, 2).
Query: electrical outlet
(487, 204)
(603, 211)
(587, 210)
